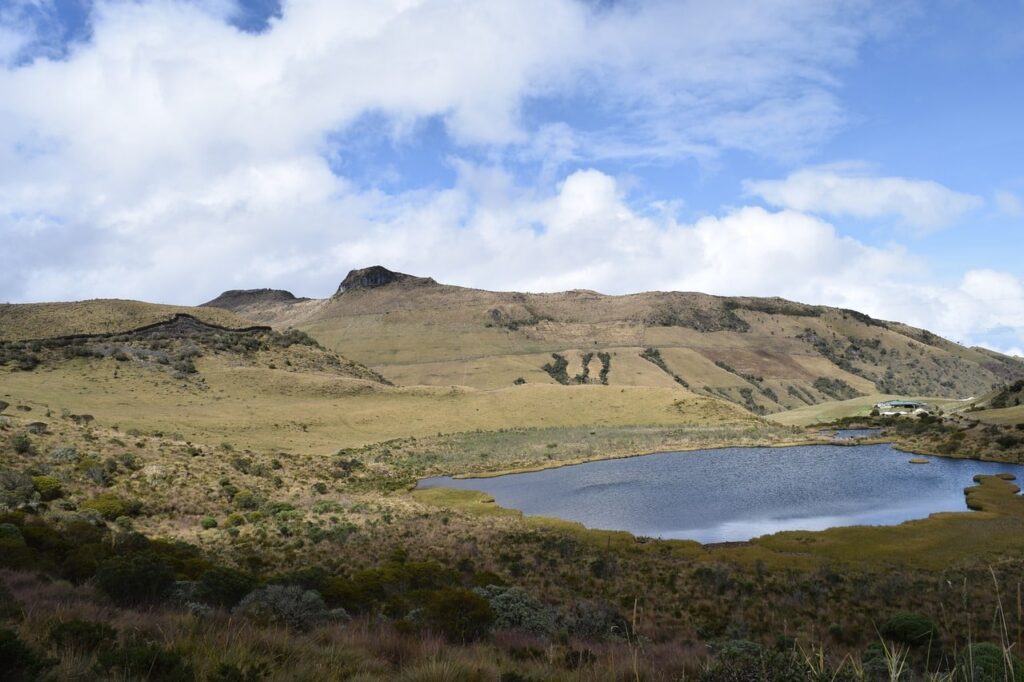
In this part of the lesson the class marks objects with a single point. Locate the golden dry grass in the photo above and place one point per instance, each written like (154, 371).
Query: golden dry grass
(263, 408)
(100, 316)
(857, 407)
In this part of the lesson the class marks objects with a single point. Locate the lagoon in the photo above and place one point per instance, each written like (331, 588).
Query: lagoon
(735, 494)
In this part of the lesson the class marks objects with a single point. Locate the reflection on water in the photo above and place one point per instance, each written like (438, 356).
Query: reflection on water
(740, 493)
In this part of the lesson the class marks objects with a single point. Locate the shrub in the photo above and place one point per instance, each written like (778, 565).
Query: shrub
(459, 614)
(986, 662)
(909, 628)
(64, 454)
(136, 579)
(597, 620)
(21, 444)
(225, 586)
(17, 661)
(48, 487)
(514, 609)
(228, 672)
(82, 636)
(743, 660)
(15, 488)
(284, 605)
(208, 522)
(110, 506)
(246, 499)
(143, 660)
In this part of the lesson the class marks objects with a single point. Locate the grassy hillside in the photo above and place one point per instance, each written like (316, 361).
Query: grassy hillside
(157, 476)
(45, 320)
(767, 355)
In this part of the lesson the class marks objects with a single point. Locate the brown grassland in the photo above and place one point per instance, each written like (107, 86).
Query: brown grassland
(226, 466)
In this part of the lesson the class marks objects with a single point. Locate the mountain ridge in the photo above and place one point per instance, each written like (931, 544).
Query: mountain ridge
(767, 354)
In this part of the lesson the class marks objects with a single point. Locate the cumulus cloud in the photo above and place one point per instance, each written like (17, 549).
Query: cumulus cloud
(172, 155)
(849, 190)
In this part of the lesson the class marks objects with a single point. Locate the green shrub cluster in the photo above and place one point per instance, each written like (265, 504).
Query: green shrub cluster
(110, 506)
(48, 487)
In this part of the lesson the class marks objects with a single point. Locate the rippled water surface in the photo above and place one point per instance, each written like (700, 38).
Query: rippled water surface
(740, 493)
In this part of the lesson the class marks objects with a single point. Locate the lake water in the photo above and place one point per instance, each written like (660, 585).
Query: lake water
(735, 494)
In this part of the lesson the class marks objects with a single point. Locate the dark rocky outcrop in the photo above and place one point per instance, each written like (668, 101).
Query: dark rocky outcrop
(239, 298)
(377, 276)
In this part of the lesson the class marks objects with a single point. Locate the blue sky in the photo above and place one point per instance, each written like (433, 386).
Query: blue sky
(863, 154)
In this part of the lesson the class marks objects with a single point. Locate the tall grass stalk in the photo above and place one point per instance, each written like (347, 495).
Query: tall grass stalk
(1004, 631)
(895, 659)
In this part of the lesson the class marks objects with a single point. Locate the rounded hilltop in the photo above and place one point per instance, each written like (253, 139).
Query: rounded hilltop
(236, 298)
(377, 276)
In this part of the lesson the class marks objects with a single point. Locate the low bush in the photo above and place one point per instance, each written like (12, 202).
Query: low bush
(64, 454)
(21, 444)
(909, 628)
(224, 586)
(514, 609)
(208, 522)
(986, 662)
(459, 614)
(288, 605)
(144, 660)
(110, 506)
(742, 660)
(136, 579)
(15, 488)
(82, 636)
(48, 487)
(18, 662)
(597, 620)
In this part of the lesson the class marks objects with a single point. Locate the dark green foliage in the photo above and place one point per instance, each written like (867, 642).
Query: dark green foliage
(21, 444)
(653, 355)
(110, 506)
(584, 376)
(459, 614)
(308, 578)
(224, 586)
(910, 628)
(18, 662)
(740, 661)
(557, 370)
(227, 672)
(748, 401)
(145, 660)
(836, 388)
(606, 366)
(393, 588)
(48, 487)
(685, 314)
(208, 522)
(1010, 395)
(519, 381)
(142, 578)
(802, 396)
(82, 636)
(985, 662)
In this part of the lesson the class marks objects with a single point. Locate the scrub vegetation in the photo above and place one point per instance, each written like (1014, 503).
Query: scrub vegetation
(201, 498)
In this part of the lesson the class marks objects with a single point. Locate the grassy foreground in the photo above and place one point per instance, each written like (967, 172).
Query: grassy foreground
(249, 517)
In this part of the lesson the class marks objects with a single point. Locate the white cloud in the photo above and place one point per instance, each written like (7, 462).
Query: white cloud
(174, 156)
(1009, 203)
(848, 190)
